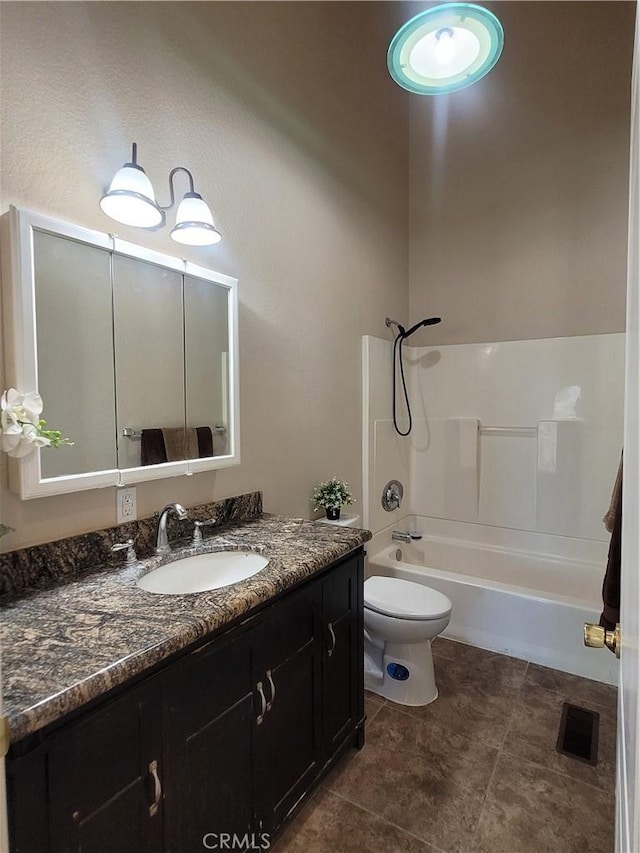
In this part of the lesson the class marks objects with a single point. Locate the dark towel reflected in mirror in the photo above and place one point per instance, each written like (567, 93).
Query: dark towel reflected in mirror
(174, 444)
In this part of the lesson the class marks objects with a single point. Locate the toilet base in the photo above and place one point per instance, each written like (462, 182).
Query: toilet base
(407, 674)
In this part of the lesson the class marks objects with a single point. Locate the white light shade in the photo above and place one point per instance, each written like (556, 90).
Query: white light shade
(131, 200)
(444, 53)
(194, 223)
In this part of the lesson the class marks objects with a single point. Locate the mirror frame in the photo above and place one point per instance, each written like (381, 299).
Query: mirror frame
(21, 356)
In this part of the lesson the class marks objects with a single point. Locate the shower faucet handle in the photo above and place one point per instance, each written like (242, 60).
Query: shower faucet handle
(392, 495)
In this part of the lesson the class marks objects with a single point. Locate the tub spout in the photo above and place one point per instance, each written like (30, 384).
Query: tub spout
(409, 536)
(399, 536)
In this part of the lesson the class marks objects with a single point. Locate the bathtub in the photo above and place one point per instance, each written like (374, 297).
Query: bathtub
(525, 595)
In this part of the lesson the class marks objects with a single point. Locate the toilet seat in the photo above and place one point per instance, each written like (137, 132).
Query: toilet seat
(404, 599)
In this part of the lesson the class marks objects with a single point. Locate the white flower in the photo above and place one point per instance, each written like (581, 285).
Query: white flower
(23, 448)
(11, 436)
(31, 433)
(18, 441)
(21, 430)
(20, 408)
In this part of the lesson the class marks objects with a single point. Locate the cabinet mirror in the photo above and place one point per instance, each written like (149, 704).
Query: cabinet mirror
(134, 353)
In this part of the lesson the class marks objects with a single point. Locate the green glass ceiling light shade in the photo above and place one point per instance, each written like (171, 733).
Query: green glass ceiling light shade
(446, 48)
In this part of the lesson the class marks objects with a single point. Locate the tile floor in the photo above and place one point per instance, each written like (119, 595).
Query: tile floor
(475, 771)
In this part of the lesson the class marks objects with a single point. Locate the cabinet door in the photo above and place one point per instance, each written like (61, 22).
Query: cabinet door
(105, 778)
(288, 739)
(209, 733)
(27, 802)
(342, 653)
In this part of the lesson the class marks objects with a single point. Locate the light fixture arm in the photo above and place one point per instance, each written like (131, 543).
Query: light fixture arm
(171, 189)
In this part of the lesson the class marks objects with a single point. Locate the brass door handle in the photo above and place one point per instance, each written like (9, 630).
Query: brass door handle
(597, 637)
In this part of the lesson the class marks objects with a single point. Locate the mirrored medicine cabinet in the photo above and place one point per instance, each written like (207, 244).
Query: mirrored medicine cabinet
(134, 352)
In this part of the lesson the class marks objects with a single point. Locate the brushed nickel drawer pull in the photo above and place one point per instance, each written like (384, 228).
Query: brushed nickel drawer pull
(263, 702)
(273, 691)
(333, 639)
(157, 789)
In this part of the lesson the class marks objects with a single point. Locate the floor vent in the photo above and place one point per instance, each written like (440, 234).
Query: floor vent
(578, 735)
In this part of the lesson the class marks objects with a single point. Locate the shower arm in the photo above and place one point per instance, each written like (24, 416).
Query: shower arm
(403, 333)
(389, 322)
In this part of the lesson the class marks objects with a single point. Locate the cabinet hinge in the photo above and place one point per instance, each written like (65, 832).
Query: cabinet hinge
(5, 736)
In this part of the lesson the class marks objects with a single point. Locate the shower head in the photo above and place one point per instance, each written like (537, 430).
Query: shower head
(430, 321)
(403, 333)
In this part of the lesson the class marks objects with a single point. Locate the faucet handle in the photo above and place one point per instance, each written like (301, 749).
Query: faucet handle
(197, 529)
(131, 557)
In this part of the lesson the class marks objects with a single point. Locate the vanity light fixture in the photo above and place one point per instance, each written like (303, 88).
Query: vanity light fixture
(446, 48)
(130, 200)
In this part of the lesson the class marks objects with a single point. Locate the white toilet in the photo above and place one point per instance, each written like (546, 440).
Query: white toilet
(401, 618)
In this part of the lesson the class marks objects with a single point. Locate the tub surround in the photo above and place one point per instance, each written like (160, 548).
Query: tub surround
(72, 630)
(483, 450)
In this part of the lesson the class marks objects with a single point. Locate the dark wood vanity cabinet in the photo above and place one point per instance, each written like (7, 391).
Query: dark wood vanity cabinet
(209, 713)
(342, 670)
(104, 778)
(94, 785)
(288, 747)
(227, 739)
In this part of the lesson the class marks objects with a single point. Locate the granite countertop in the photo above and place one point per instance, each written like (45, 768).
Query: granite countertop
(68, 643)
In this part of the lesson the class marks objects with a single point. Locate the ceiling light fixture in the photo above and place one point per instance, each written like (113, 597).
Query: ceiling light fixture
(446, 48)
(130, 200)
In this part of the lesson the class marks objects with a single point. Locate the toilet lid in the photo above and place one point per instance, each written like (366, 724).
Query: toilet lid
(404, 599)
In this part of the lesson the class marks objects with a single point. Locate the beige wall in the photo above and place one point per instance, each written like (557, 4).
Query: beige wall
(518, 185)
(301, 152)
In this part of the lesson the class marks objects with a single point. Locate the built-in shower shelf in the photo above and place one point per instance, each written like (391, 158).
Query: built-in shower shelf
(499, 430)
(477, 488)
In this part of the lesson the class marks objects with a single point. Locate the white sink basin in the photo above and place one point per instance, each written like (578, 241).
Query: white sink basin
(203, 572)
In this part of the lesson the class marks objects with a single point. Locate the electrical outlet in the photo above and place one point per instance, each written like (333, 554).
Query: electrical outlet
(126, 509)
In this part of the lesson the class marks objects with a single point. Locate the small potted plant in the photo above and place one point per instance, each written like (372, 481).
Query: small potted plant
(332, 496)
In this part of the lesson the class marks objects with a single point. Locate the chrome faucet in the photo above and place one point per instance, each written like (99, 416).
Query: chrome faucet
(399, 536)
(162, 541)
(409, 536)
